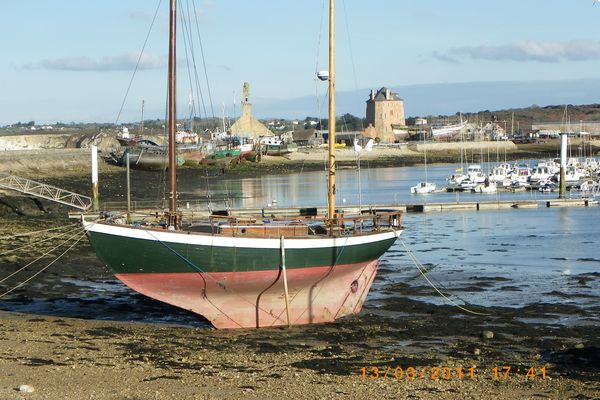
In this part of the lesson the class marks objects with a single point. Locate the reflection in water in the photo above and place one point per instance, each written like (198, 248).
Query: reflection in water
(378, 186)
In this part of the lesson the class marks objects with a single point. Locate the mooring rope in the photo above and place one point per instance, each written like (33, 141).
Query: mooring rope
(36, 232)
(38, 241)
(43, 269)
(40, 257)
(421, 269)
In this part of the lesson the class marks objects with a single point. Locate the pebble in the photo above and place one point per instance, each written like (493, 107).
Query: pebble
(579, 346)
(487, 334)
(476, 352)
(26, 389)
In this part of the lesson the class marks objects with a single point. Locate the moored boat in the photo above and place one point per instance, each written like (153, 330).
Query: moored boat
(249, 272)
(423, 188)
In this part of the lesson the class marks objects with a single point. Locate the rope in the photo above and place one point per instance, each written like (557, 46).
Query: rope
(38, 242)
(421, 269)
(40, 257)
(43, 269)
(36, 232)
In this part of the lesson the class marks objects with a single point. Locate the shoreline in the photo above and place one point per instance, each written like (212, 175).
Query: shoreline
(54, 163)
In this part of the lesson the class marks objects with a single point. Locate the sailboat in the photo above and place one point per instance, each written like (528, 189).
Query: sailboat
(426, 186)
(249, 272)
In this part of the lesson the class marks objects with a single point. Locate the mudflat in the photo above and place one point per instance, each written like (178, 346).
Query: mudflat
(419, 357)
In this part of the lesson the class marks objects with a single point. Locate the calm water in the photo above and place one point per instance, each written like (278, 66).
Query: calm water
(377, 186)
(497, 258)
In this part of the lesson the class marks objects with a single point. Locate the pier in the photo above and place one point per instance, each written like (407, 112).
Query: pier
(195, 210)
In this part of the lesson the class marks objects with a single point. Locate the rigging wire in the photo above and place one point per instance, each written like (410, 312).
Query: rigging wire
(203, 60)
(188, 43)
(351, 52)
(138, 62)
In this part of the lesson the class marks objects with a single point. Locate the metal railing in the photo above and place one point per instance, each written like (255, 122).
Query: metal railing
(45, 191)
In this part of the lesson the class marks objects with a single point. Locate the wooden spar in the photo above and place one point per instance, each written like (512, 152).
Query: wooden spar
(285, 282)
(172, 116)
(331, 191)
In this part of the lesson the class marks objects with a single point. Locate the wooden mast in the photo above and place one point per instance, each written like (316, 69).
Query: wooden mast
(172, 220)
(331, 198)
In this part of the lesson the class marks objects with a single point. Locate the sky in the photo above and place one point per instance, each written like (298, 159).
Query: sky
(72, 61)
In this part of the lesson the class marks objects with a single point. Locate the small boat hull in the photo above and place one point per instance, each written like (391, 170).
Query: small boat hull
(236, 281)
(256, 299)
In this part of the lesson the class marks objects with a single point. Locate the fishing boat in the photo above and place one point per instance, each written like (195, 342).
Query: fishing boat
(273, 146)
(244, 271)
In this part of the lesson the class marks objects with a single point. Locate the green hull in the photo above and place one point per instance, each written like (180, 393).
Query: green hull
(124, 254)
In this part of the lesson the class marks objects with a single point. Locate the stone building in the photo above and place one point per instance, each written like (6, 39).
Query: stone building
(384, 109)
(248, 126)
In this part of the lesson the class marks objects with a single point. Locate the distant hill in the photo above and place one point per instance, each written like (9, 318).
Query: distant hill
(524, 117)
(446, 99)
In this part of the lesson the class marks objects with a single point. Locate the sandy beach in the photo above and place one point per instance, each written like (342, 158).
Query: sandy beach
(87, 359)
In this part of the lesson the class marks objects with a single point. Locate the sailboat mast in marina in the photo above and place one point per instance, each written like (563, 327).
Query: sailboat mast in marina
(172, 215)
(331, 191)
(248, 271)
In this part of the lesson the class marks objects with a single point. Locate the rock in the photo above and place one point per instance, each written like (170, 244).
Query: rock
(579, 346)
(487, 335)
(26, 389)
(476, 352)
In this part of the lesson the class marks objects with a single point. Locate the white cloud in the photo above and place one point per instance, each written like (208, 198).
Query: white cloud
(573, 50)
(125, 62)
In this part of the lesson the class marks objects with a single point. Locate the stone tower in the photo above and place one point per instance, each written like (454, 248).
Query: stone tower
(247, 125)
(384, 109)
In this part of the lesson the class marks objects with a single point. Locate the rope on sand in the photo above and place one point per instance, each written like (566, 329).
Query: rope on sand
(82, 235)
(39, 241)
(423, 272)
(40, 231)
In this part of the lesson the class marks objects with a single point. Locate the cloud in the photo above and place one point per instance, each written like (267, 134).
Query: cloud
(444, 58)
(108, 63)
(573, 50)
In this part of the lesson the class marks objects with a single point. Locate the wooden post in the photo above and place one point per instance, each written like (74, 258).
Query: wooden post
(285, 285)
(563, 165)
(128, 169)
(95, 192)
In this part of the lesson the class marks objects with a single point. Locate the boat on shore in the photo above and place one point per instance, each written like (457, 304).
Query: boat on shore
(248, 271)
(447, 130)
(273, 146)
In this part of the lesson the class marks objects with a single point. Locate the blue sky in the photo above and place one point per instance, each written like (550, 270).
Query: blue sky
(67, 60)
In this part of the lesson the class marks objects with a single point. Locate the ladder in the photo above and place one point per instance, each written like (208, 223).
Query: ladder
(45, 191)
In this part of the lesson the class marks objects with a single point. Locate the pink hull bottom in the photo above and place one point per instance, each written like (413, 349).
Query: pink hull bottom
(257, 299)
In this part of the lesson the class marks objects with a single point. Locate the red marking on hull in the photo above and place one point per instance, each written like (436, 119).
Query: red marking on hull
(256, 299)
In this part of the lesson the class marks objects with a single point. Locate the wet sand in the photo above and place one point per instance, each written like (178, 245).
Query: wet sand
(75, 358)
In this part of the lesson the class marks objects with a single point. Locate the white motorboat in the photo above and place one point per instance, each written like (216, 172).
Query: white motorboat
(423, 188)
(486, 187)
